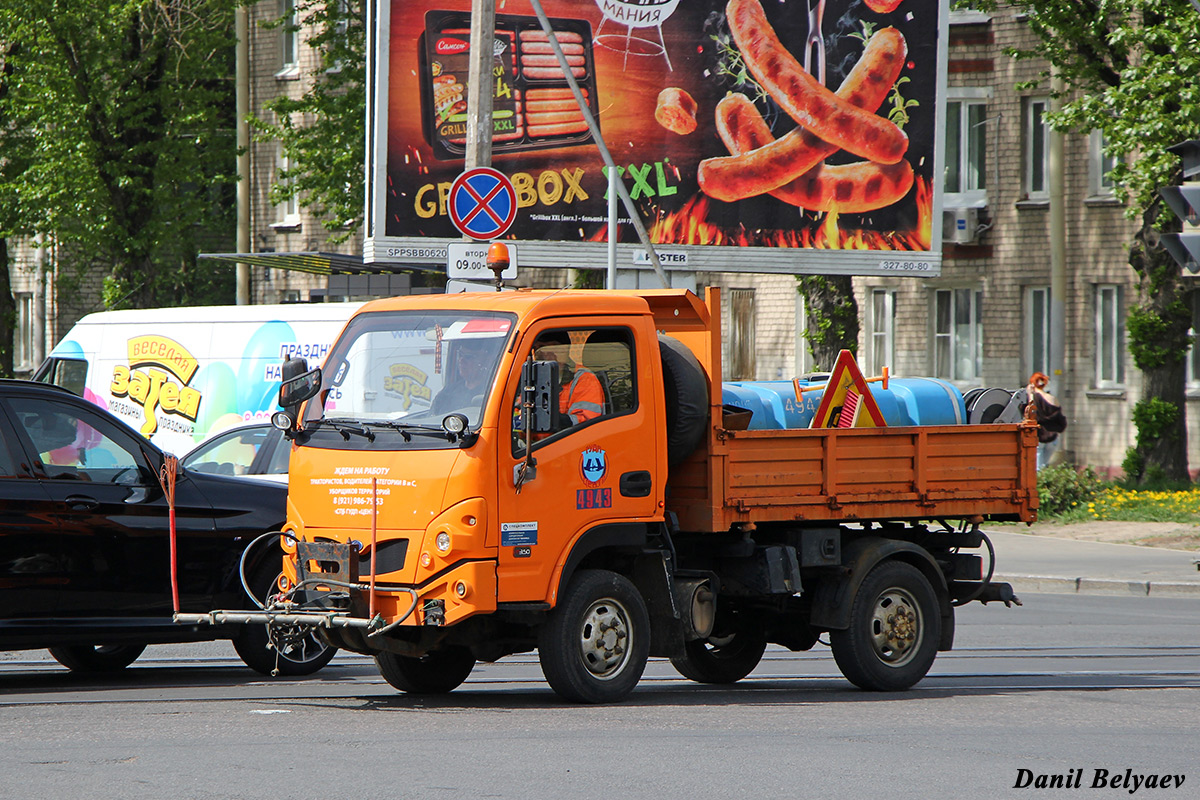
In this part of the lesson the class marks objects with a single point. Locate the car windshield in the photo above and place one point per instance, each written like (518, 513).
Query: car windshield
(414, 367)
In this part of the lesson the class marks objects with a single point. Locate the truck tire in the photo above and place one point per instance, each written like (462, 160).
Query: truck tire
(685, 394)
(438, 672)
(725, 659)
(97, 658)
(894, 630)
(594, 645)
(290, 651)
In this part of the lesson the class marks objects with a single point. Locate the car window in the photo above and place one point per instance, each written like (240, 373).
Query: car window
(278, 465)
(69, 447)
(229, 453)
(7, 466)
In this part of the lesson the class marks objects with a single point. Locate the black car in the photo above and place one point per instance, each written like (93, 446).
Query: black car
(256, 450)
(85, 547)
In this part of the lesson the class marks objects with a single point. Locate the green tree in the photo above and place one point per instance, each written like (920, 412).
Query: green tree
(118, 140)
(8, 306)
(1129, 69)
(832, 316)
(323, 131)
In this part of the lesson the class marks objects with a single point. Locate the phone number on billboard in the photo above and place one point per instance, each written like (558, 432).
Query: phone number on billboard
(417, 252)
(906, 266)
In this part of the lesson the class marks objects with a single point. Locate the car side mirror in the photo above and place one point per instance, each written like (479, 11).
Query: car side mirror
(299, 383)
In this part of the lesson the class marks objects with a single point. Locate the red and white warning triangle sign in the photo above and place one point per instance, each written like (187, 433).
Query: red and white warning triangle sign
(846, 401)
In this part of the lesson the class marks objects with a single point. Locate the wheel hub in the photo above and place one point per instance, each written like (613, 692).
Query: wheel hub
(604, 638)
(896, 628)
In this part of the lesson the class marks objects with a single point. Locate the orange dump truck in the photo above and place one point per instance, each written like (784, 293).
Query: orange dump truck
(478, 475)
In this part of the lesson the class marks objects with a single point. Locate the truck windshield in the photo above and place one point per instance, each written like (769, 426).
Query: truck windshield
(413, 367)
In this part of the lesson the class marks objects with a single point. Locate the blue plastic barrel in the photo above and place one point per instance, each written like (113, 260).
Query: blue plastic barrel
(906, 401)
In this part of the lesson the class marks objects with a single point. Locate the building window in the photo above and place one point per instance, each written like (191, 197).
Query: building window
(966, 153)
(882, 331)
(23, 355)
(958, 334)
(1110, 337)
(289, 209)
(289, 44)
(1037, 148)
(1100, 165)
(741, 338)
(1193, 357)
(1037, 329)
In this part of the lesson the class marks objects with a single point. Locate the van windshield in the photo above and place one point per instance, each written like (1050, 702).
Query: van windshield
(414, 367)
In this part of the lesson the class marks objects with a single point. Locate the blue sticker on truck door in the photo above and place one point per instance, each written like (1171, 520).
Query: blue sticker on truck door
(514, 534)
(593, 467)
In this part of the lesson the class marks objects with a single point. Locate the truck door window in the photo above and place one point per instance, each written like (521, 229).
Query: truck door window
(596, 376)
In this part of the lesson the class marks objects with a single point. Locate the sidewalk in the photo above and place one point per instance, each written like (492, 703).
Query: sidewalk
(1046, 562)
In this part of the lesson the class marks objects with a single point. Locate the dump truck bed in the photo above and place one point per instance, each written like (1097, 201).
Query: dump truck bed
(835, 475)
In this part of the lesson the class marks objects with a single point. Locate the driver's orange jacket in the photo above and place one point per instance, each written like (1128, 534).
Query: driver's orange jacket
(584, 399)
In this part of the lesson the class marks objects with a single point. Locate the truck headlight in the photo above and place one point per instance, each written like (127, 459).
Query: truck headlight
(443, 542)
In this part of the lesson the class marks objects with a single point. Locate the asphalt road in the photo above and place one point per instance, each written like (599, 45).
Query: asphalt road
(1065, 683)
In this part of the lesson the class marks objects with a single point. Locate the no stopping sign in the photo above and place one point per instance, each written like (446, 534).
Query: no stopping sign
(483, 203)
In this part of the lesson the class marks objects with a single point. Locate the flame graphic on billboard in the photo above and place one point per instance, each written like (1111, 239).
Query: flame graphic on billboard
(690, 225)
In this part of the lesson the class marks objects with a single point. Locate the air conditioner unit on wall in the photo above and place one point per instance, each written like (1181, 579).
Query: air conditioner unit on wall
(960, 225)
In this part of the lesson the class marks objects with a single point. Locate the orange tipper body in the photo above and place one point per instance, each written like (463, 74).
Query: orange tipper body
(440, 490)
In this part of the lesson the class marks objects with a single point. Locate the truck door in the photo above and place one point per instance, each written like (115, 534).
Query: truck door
(598, 467)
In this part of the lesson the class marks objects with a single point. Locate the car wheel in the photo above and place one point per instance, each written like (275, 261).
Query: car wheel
(594, 645)
(438, 672)
(288, 650)
(97, 658)
(894, 630)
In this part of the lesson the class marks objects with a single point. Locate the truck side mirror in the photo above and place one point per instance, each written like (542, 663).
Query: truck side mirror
(539, 406)
(299, 383)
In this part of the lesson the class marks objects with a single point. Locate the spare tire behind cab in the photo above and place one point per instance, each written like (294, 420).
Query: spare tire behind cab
(685, 395)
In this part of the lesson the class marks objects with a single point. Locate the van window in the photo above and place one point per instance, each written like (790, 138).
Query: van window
(69, 373)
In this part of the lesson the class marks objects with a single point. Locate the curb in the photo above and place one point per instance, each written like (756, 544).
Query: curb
(1049, 584)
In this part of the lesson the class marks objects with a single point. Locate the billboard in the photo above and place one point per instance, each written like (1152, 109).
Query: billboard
(752, 135)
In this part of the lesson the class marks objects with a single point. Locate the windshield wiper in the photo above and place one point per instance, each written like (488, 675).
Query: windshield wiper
(346, 427)
(407, 429)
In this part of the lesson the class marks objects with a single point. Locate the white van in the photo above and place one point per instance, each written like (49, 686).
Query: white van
(180, 375)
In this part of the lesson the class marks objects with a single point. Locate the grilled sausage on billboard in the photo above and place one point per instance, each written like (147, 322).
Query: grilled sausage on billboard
(676, 110)
(767, 168)
(829, 116)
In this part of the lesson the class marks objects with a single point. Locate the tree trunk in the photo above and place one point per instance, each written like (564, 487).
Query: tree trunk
(8, 315)
(832, 315)
(1158, 328)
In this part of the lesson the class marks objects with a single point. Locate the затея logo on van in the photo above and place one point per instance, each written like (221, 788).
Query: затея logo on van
(152, 387)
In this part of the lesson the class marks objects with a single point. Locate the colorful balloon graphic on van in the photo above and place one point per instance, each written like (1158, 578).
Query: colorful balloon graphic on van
(256, 394)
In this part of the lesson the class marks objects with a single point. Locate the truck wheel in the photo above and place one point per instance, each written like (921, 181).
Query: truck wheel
(292, 650)
(685, 393)
(438, 672)
(97, 658)
(894, 630)
(594, 645)
(721, 659)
